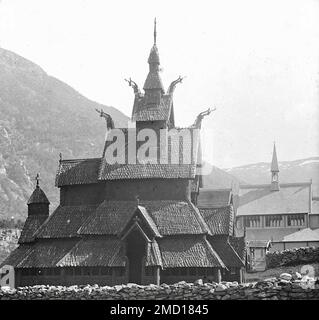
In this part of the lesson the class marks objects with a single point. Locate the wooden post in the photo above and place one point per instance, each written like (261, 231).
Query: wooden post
(219, 276)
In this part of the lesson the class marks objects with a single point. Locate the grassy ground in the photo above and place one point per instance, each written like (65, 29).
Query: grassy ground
(275, 272)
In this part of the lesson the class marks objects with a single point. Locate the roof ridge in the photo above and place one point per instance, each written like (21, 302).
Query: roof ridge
(80, 159)
(200, 218)
(213, 252)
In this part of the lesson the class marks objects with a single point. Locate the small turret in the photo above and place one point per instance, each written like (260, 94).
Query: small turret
(38, 203)
(274, 169)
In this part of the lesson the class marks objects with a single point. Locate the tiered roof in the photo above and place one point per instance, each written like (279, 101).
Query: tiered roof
(177, 233)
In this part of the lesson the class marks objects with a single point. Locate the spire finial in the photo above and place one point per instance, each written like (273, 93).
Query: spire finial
(155, 34)
(37, 179)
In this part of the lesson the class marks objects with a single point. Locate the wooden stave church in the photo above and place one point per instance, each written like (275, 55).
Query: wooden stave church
(140, 223)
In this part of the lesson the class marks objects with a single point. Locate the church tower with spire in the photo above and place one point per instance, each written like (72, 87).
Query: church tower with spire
(153, 108)
(274, 169)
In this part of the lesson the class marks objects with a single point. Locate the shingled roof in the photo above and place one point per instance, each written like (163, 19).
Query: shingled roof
(175, 217)
(219, 220)
(46, 254)
(239, 244)
(214, 198)
(188, 252)
(109, 218)
(38, 196)
(30, 227)
(17, 255)
(260, 199)
(227, 253)
(65, 221)
(77, 171)
(169, 217)
(153, 255)
(142, 111)
(106, 252)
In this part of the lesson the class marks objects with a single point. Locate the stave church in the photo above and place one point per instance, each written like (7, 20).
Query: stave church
(142, 221)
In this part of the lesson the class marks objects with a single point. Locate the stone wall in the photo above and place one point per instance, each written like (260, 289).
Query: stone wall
(271, 289)
(292, 257)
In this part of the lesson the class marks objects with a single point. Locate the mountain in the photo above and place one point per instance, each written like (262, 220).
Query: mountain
(220, 179)
(40, 116)
(290, 171)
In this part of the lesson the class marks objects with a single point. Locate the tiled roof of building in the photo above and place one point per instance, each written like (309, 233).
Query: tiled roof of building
(153, 256)
(31, 225)
(218, 220)
(77, 171)
(142, 111)
(168, 217)
(109, 218)
(38, 196)
(213, 198)
(259, 199)
(227, 253)
(46, 254)
(142, 212)
(65, 221)
(188, 252)
(106, 252)
(153, 81)
(175, 217)
(17, 255)
(239, 244)
(148, 171)
(304, 235)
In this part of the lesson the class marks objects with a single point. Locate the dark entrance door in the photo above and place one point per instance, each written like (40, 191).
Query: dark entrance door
(135, 250)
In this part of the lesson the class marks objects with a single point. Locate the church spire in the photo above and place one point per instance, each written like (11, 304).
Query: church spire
(274, 169)
(155, 34)
(153, 80)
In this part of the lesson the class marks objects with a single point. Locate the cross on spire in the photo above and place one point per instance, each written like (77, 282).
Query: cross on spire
(155, 33)
(37, 179)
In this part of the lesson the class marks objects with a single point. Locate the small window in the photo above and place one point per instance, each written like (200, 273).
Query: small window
(252, 221)
(296, 220)
(274, 221)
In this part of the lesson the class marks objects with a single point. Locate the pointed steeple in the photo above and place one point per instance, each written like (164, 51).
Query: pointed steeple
(274, 169)
(153, 80)
(274, 161)
(38, 203)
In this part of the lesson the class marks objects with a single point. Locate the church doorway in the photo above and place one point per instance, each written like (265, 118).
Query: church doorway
(135, 251)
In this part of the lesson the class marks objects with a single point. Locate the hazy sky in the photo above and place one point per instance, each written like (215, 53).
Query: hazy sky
(256, 61)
